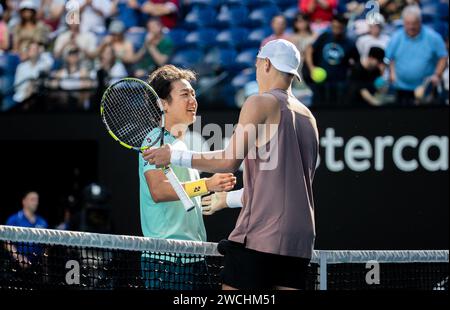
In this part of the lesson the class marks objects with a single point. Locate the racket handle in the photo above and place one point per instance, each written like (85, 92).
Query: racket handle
(184, 198)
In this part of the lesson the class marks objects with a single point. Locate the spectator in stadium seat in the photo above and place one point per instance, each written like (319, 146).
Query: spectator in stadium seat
(27, 217)
(94, 14)
(278, 25)
(4, 33)
(320, 12)
(336, 54)
(303, 37)
(85, 41)
(375, 37)
(24, 253)
(75, 79)
(110, 69)
(29, 28)
(416, 53)
(51, 12)
(123, 49)
(128, 11)
(73, 75)
(36, 63)
(11, 12)
(167, 10)
(362, 88)
(156, 51)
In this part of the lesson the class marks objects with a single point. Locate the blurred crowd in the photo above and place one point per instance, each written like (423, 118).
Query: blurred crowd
(79, 46)
(355, 53)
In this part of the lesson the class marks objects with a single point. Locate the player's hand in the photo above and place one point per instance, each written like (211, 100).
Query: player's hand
(214, 202)
(158, 156)
(221, 182)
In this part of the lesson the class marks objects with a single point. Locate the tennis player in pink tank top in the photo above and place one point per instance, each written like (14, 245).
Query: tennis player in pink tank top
(277, 138)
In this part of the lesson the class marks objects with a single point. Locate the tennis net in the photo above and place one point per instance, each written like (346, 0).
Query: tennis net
(47, 259)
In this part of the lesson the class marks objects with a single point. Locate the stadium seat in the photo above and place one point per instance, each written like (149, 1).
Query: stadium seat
(210, 3)
(263, 15)
(283, 4)
(200, 16)
(440, 27)
(241, 86)
(8, 66)
(290, 13)
(136, 38)
(178, 37)
(246, 58)
(233, 2)
(202, 38)
(429, 12)
(243, 78)
(256, 36)
(187, 58)
(248, 3)
(443, 11)
(252, 4)
(233, 37)
(222, 59)
(233, 15)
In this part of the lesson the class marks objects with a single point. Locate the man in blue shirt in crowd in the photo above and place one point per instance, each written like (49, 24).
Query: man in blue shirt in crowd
(416, 53)
(27, 217)
(24, 253)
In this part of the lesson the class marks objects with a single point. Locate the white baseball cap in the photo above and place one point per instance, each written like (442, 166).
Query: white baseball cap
(283, 55)
(27, 4)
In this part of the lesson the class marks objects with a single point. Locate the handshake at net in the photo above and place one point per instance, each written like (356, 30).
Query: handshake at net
(219, 184)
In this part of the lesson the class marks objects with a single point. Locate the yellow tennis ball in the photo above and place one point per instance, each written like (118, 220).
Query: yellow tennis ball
(318, 75)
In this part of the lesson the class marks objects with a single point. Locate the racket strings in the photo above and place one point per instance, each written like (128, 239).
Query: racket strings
(131, 111)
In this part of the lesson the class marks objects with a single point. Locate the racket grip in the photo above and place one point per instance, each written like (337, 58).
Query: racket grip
(184, 198)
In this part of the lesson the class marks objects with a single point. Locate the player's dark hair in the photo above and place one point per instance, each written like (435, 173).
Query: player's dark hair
(27, 192)
(340, 18)
(161, 79)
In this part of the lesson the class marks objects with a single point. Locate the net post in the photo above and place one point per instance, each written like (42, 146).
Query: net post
(323, 271)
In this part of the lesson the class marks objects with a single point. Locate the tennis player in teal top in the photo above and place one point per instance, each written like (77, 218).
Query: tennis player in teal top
(162, 214)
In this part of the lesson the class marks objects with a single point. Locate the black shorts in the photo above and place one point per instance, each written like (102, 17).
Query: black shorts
(250, 269)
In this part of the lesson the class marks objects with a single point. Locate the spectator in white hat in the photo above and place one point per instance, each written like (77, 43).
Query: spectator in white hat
(29, 28)
(375, 37)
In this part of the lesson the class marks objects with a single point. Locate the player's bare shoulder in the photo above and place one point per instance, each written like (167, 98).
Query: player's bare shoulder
(263, 101)
(262, 106)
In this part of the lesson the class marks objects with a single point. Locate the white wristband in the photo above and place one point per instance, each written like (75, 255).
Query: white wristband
(181, 158)
(234, 199)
